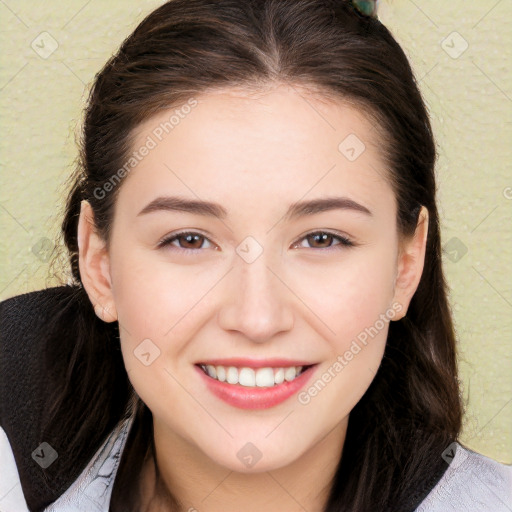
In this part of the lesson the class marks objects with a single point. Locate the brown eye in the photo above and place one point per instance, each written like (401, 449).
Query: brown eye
(186, 241)
(191, 241)
(320, 238)
(324, 240)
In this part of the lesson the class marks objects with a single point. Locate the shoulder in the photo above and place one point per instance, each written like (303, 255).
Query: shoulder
(472, 483)
(92, 489)
(26, 320)
(11, 492)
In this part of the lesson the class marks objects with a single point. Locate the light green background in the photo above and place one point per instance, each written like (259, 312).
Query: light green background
(469, 94)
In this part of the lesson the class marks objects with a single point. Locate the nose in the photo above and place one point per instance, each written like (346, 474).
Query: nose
(257, 302)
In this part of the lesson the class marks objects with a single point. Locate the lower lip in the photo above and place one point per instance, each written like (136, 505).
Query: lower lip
(254, 397)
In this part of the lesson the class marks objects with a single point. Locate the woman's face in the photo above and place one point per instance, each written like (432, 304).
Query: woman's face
(262, 277)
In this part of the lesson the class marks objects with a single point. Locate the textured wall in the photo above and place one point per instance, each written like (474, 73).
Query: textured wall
(461, 55)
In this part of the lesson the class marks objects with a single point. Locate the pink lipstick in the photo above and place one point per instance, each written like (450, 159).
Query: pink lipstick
(253, 397)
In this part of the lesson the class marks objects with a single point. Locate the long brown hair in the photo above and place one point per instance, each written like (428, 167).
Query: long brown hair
(412, 410)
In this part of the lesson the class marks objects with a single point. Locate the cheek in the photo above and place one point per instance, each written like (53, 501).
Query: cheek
(352, 296)
(160, 307)
(155, 305)
(357, 308)
(152, 295)
(347, 292)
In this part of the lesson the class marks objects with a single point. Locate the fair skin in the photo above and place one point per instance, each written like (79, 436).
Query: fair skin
(301, 298)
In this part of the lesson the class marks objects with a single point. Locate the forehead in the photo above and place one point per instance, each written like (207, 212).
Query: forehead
(277, 142)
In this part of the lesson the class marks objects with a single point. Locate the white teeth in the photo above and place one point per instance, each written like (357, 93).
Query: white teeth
(221, 373)
(265, 377)
(261, 377)
(279, 376)
(246, 377)
(232, 375)
(290, 373)
(212, 372)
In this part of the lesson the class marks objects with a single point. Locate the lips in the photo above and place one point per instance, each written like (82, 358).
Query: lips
(256, 397)
(254, 372)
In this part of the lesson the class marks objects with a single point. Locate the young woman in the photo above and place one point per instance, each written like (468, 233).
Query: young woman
(258, 319)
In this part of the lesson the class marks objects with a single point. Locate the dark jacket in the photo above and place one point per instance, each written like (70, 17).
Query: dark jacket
(23, 393)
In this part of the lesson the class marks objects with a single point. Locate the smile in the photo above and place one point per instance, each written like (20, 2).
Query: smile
(254, 388)
(253, 377)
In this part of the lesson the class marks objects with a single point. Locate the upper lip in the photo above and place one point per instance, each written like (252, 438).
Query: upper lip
(256, 363)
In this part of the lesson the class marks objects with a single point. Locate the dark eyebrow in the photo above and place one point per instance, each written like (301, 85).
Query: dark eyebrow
(173, 203)
(209, 209)
(303, 208)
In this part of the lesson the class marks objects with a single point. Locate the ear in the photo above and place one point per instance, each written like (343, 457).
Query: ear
(411, 259)
(94, 265)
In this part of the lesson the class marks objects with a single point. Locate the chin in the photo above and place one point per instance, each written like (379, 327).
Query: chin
(251, 458)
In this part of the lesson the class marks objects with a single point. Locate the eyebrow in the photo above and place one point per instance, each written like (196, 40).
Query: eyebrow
(210, 209)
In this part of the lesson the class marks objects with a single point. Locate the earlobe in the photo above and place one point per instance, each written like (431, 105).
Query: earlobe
(104, 313)
(94, 265)
(411, 260)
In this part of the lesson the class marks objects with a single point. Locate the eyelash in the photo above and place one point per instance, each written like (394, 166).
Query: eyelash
(344, 241)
